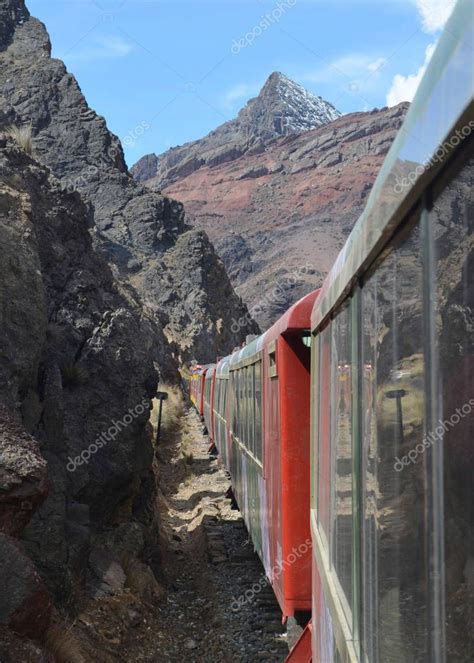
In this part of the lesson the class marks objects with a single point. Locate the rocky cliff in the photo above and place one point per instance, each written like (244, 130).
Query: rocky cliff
(278, 212)
(135, 227)
(77, 358)
(103, 288)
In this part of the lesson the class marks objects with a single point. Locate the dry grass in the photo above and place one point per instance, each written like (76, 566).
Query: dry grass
(172, 413)
(23, 137)
(188, 457)
(63, 645)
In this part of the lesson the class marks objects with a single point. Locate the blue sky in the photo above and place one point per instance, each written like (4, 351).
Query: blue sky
(163, 72)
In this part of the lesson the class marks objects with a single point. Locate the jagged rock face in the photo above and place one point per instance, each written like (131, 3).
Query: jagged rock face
(23, 475)
(146, 168)
(279, 216)
(78, 356)
(192, 286)
(282, 108)
(136, 226)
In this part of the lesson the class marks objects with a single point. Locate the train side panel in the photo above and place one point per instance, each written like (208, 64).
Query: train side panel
(294, 358)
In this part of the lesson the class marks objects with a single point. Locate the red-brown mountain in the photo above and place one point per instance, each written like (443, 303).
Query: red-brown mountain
(277, 196)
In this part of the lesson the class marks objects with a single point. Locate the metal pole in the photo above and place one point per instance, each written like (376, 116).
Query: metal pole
(162, 396)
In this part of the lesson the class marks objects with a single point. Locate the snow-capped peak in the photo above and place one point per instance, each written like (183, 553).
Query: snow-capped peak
(284, 107)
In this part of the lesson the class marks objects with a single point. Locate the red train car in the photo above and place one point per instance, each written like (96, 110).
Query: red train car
(268, 451)
(197, 387)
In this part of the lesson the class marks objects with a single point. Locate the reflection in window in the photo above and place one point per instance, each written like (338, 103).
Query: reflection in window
(324, 465)
(452, 220)
(341, 445)
(258, 410)
(394, 587)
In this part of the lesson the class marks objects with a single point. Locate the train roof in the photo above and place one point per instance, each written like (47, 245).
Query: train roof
(443, 103)
(202, 369)
(298, 317)
(209, 371)
(222, 368)
(244, 353)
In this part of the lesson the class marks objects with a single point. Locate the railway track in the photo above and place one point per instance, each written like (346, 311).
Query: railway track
(252, 616)
(209, 564)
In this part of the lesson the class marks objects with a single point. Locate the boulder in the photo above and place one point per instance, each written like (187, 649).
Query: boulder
(23, 475)
(25, 605)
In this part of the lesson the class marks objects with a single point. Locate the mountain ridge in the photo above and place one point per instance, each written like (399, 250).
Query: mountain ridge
(277, 197)
(282, 108)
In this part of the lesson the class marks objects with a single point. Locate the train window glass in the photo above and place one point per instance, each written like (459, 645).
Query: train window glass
(272, 360)
(251, 409)
(394, 568)
(324, 460)
(243, 414)
(341, 446)
(241, 400)
(245, 408)
(235, 402)
(258, 410)
(315, 415)
(250, 403)
(243, 436)
(452, 220)
(225, 387)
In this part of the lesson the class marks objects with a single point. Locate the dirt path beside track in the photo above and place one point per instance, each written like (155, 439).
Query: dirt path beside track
(208, 562)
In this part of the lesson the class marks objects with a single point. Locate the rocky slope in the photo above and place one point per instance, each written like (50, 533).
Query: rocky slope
(135, 226)
(81, 344)
(283, 107)
(278, 214)
(77, 356)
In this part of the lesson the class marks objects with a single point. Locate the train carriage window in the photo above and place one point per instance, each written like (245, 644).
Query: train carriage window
(324, 461)
(452, 221)
(258, 410)
(394, 569)
(217, 394)
(225, 389)
(341, 447)
(315, 385)
(248, 407)
(272, 359)
(243, 437)
(235, 403)
(252, 407)
(241, 402)
(243, 414)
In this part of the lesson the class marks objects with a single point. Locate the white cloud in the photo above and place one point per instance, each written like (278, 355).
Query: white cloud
(101, 47)
(377, 64)
(239, 92)
(434, 13)
(349, 66)
(404, 87)
(113, 46)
